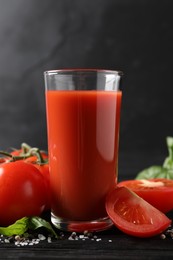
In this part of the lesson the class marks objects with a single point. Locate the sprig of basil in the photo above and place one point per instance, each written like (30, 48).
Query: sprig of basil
(164, 171)
(27, 223)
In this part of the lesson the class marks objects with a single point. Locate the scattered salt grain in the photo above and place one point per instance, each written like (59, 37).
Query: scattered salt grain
(49, 240)
(70, 238)
(6, 241)
(41, 237)
(16, 243)
(73, 234)
(36, 242)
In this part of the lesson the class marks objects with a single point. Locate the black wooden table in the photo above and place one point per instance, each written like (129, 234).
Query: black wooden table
(110, 244)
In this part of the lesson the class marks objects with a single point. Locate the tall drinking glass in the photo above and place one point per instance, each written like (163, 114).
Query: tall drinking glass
(83, 118)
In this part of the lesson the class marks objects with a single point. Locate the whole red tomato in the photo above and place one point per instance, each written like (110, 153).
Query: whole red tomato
(40, 160)
(44, 170)
(22, 191)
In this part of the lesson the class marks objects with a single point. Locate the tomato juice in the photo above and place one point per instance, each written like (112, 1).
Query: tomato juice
(83, 133)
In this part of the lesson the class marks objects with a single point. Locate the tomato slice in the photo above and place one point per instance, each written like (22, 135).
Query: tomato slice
(158, 192)
(133, 215)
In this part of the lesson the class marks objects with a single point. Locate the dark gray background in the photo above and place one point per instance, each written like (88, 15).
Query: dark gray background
(135, 36)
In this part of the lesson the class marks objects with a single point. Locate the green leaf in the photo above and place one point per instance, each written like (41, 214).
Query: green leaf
(23, 224)
(165, 171)
(18, 228)
(168, 162)
(155, 172)
(169, 174)
(37, 222)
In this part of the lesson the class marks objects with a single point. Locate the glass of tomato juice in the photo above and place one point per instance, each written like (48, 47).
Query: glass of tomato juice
(83, 118)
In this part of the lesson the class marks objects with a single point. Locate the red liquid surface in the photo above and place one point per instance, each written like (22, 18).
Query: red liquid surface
(83, 133)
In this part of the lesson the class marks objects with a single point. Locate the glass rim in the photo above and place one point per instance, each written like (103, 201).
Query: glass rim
(86, 70)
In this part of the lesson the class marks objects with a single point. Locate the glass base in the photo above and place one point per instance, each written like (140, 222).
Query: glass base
(81, 226)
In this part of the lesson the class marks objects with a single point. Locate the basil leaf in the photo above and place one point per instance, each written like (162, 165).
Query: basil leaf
(37, 222)
(165, 171)
(169, 175)
(168, 163)
(154, 172)
(18, 228)
(23, 224)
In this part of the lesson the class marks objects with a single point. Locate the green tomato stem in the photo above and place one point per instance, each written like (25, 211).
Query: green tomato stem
(25, 148)
(13, 157)
(40, 159)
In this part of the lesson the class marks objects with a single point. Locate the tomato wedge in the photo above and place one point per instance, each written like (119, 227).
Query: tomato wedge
(133, 215)
(158, 192)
